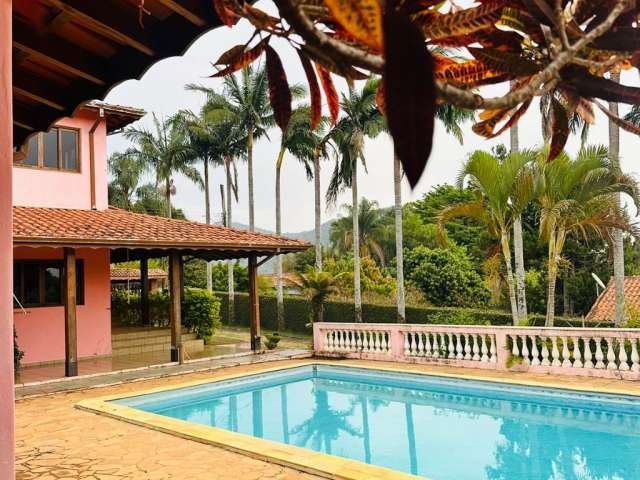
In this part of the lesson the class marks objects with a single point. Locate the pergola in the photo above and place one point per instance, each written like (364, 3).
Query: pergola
(55, 55)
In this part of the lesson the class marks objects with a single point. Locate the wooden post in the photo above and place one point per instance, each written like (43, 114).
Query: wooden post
(254, 304)
(175, 267)
(70, 318)
(144, 291)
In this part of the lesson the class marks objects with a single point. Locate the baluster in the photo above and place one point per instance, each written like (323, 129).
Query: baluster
(484, 349)
(635, 358)
(611, 355)
(337, 340)
(436, 347)
(599, 354)
(443, 345)
(587, 352)
(420, 345)
(535, 355)
(407, 347)
(467, 347)
(345, 340)
(577, 357)
(352, 341)
(376, 344)
(555, 353)
(328, 341)
(385, 341)
(427, 345)
(492, 349)
(545, 352)
(525, 351)
(359, 340)
(476, 348)
(515, 350)
(622, 356)
(460, 354)
(451, 348)
(566, 361)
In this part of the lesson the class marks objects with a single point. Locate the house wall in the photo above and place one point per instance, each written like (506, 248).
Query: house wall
(41, 330)
(7, 438)
(34, 187)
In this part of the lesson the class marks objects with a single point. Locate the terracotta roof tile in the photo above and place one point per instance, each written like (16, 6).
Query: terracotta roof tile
(134, 273)
(115, 227)
(604, 308)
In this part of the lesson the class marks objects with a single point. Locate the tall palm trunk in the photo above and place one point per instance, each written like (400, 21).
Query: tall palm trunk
(397, 191)
(279, 288)
(618, 244)
(506, 253)
(228, 223)
(357, 297)
(556, 244)
(252, 225)
(318, 212)
(207, 216)
(167, 195)
(517, 243)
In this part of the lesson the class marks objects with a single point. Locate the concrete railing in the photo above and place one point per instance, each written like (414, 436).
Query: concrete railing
(606, 352)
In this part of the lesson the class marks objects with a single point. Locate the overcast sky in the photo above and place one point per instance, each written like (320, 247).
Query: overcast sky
(161, 90)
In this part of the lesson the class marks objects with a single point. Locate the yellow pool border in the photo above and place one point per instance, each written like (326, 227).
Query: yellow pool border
(303, 459)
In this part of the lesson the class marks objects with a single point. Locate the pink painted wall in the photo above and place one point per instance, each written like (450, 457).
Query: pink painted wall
(50, 188)
(7, 432)
(41, 330)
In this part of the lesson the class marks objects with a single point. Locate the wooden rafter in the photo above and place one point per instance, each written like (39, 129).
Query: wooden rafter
(187, 12)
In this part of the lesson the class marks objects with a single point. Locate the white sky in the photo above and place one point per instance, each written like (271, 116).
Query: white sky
(161, 90)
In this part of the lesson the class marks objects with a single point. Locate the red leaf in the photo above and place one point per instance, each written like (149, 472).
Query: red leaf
(409, 93)
(380, 97)
(279, 91)
(621, 122)
(330, 93)
(314, 90)
(514, 118)
(227, 16)
(587, 85)
(231, 55)
(243, 60)
(560, 128)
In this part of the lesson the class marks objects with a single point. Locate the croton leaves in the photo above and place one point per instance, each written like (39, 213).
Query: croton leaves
(505, 62)
(560, 128)
(244, 59)
(489, 120)
(231, 55)
(330, 93)
(227, 16)
(621, 122)
(515, 116)
(410, 99)
(588, 85)
(361, 18)
(279, 91)
(380, 97)
(463, 22)
(314, 90)
(259, 19)
(471, 73)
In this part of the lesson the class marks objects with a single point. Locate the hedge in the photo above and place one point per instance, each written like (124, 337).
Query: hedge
(297, 314)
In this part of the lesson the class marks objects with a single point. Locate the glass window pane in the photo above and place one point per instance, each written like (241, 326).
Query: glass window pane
(17, 280)
(31, 284)
(32, 154)
(69, 140)
(52, 285)
(51, 148)
(80, 282)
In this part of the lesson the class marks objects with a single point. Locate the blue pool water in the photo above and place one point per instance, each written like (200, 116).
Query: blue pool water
(444, 429)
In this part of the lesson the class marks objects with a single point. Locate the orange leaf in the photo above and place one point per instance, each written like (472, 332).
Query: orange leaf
(560, 128)
(279, 91)
(314, 90)
(361, 18)
(330, 93)
(260, 19)
(491, 119)
(243, 60)
(226, 15)
(470, 73)
(514, 118)
(380, 97)
(230, 55)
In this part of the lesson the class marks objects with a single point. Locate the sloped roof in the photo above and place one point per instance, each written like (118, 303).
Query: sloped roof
(604, 308)
(134, 273)
(117, 116)
(117, 228)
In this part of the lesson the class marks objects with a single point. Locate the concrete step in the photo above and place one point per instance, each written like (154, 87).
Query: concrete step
(150, 340)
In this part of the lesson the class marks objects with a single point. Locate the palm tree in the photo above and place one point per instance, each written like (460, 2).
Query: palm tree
(372, 226)
(580, 197)
(504, 188)
(317, 286)
(518, 248)
(166, 152)
(362, 119)
(125, 171)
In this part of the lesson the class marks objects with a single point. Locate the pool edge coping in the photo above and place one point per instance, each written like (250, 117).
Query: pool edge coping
(317, 463)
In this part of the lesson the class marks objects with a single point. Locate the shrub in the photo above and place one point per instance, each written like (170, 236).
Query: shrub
(200, 312)
(446, 277)
(17, 353)
(272, 341)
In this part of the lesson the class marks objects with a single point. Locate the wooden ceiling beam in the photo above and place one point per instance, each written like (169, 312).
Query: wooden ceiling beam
(38, 98)
(187, 10)
(101, 17)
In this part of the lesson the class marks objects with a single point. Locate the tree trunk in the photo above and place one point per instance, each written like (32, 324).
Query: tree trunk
(618, 243)
(552, 273)
(357, 297)
(397, 190)
(506, 253)
(517, 241)
(252, 225)
(279, 287)
(318, 212)
(228, 223)
(207, 215)
(167, 194)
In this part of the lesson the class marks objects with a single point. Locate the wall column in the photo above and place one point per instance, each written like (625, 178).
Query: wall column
(7, 436)
(175, 295)
(70, 317)
(254, 304)
(144, 291)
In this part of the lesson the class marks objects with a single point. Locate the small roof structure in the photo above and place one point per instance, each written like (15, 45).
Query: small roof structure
(117, 116)
(604, 308)
(123, 274)
(131, 234)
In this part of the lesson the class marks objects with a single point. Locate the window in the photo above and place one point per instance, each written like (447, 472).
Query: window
(39, 283)
(57, 149)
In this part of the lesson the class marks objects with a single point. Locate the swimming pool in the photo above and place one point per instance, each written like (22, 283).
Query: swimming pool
(438, 427)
